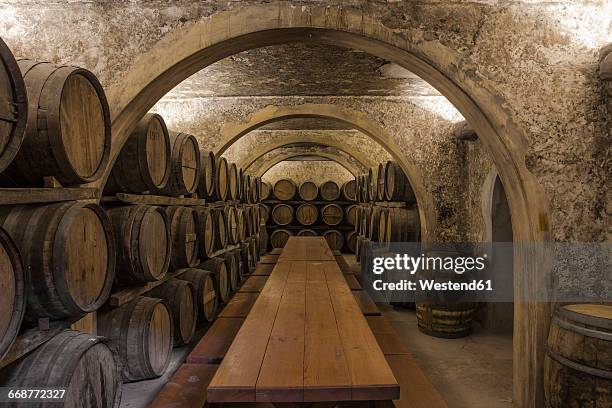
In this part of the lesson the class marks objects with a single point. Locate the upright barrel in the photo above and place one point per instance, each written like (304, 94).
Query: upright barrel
(183, 223)
(206, 232)
(332, 214)
(142, 332)
(143, 243)
(14, 113)
(334, 239)
(69, 252)
(221, 179)
(307, 214)
(178, 295)
(308, 191)
(349, 190)
(329, 190)
(12, 287)
(282, 214)
(143, 165)
(204, 292)
(84, 365)
(284, 189)
(184, 165)
(279, 238)
(397, 185)
(68, 132)
(578, 362)
(208, 166)
(219, 269)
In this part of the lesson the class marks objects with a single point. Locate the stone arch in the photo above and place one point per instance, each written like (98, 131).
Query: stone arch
(271, 163)
(190, 48)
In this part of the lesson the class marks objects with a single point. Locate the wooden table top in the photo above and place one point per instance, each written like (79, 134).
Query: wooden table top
(305, 340)
(306, 249)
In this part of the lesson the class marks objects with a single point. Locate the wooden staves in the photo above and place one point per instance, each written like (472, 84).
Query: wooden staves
(13, 107)
(143, 243)
(184, 165)
(220, 230)
(307, 214)
(380, 182)
(142, 333)
(402, 225)
(351, 215)
(68, 133)
(221, 179)
(83, 365)
(12, 287)
(206, 232)
(219, 269)
(330, 191)
(578, 363)
(69, 252)
(279, 238)
(397, 185)
(284, 189)
(334, 239)
(204, 292)
(232, 270)
(266, 190)
(233, 182)
(183, 222)
(232, 225)
(306, 233)
(282, 214)
(332, 214)
(206, 185)
(143, 165)
(308, 191)
(351, 241)
(179, 296)
(349, 190)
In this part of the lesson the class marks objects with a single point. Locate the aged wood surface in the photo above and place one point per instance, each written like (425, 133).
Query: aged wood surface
(306, 249)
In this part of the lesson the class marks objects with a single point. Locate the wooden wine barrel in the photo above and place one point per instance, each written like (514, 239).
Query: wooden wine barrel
(206, 232)
(359, 188)
(366, 220)
(282, 214)
(143, 164)
(373, 186)
(254, 252)
(332, 214)
(232, 270)
(220, 223)
(402, 225)
(69, 252)
(349, 190)
(366, 189)
(358, 248)
(306, 233)
(380, 183)
(578, 363)
(255, 220)
(14, 110)
(284, 189)
(246, 189)
(351, 215)
(178, 295)
(264, 213)
(351, 241)
(307, 214)
(397, 185)
(263, 241)
(256, 190)
(334, 239)
(219, 269)
(67, 133)
(142, 332)
(241, 224)
(221, 179)
(266, 190)
(382, 225)
(245, 257)
(183, 223)
(208, 167)
(308, 191)
(185, 165)
(82, 364)
(232, 229)
(144, 243)
(204, 292)
(233, 183)
(279, 237)
(239, 183)
(444, 314)
(12, 287)
(375, 216)
(329, 190)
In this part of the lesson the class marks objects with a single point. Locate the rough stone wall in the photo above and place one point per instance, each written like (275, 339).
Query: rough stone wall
(541, 56)
(300, 171)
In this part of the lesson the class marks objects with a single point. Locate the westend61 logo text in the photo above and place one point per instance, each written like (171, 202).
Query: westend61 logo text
(411, 264)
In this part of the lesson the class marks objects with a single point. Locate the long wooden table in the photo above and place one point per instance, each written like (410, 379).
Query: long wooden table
(305, 339)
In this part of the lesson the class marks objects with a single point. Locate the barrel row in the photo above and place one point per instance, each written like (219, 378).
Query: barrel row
(287, 189)
(386, 182)
(335, 239)
(307, 214)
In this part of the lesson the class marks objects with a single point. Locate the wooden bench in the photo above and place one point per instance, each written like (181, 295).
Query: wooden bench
(305, 339)
(240, 305)
(263, 270)
(269, 259)
(253, 284)
(217, 340)
(186, 388)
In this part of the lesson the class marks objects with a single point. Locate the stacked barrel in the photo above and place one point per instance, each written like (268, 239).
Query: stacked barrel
(309, 209)
(57, 260)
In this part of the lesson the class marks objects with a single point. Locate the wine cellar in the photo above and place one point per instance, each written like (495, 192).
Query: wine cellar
(190, 195)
